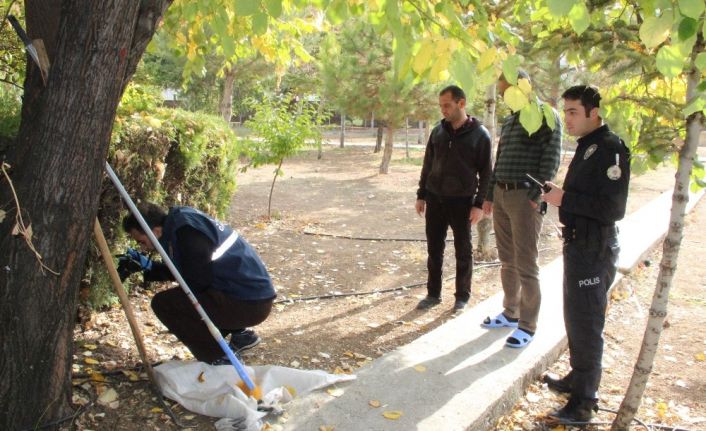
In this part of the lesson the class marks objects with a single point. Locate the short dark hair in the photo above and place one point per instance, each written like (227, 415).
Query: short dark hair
(588, 95)
(152, 213)
(456, 92)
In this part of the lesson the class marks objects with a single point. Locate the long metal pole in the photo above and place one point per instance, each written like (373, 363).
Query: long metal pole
(211, 327)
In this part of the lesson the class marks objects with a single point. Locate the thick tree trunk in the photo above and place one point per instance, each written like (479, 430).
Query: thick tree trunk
(387, 154)
(670, 253)
(226, 106)
(56, 168)
(486, 249)
(378, 139)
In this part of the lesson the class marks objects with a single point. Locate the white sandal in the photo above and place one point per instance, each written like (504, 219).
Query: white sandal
(499, 321)
(518, 338)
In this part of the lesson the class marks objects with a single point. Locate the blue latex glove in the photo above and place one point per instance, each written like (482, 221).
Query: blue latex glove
(132, 261)
(144, 261)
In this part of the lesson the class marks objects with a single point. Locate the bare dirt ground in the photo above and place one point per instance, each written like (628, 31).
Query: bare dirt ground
(316, 204)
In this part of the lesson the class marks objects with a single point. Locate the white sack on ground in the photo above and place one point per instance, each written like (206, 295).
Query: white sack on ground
(212, 390)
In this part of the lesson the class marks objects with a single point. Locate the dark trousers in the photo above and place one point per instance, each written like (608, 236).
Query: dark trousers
(589, 270)
(175, 311)
(440, 214)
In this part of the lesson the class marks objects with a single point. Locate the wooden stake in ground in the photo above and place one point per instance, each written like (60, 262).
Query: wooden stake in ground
(120, 290)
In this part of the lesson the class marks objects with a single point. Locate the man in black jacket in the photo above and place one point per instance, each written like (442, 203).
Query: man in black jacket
(223, 271)
(593, 198)
(452, 186)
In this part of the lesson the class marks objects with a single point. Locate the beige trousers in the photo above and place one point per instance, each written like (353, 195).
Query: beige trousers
(517, 227)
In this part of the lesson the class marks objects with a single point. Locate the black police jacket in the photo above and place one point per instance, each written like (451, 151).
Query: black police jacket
(596, 183)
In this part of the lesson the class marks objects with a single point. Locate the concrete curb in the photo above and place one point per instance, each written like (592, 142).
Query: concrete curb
(461, 376)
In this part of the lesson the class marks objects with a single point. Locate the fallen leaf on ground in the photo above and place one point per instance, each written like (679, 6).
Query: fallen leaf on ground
(107, 397)
(156, 410)
(90, 346)
(374, 403)
(392, 414)
(97, 377)
(91, 361)
(335, 392)
(420, 368)
(700, 357)
(200, 377)
(325, 428)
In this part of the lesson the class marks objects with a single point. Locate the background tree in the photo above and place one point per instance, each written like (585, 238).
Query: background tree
(283, 126)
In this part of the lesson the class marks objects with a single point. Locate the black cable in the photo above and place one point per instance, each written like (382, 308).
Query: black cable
(363, 238)
(372, 292)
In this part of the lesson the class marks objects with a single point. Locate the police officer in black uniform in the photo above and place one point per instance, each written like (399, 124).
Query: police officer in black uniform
(593, 198)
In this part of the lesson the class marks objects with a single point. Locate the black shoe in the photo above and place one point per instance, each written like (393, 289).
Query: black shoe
(561, 385)
(428, 302)
(459, 306)
(576, 411)
(243, 339)
(224, 359)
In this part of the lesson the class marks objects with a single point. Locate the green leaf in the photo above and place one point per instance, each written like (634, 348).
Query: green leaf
(700, 62)
(560, 8)
(579, 18)
(696, 105)
(337, 11)
(531, 118)
(655, 30)
(515, 99)
(701, 86)
(460, 69)
(687, 28)
(549, 115)
(259, 23)
(247, 7)
(670, 61)
(510, 66)
(691, 8)
(274, 8)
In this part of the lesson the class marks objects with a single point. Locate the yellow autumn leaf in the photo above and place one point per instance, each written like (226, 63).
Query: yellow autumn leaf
(132, 376)
(441, 65)
(340, 370)
(291, 390)
(91, 361)
(392, 414)
(374, 403)
(90, 346)
(326, 428)
(662, 409)
(487, 59)
(200, 377)
(349, 354)
(156, 410)
(423, 58)
(525, 86)
(420, 368)
(335, 392)
(515, 98)
(154, 123)
(559, 428)
(97, 377)
(700, 357)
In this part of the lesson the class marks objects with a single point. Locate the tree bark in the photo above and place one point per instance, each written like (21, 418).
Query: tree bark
(226, 106)
(670, 253)
(343, 129)
(378, 139)
(56, 168)
(485, 249)
(387, 154)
